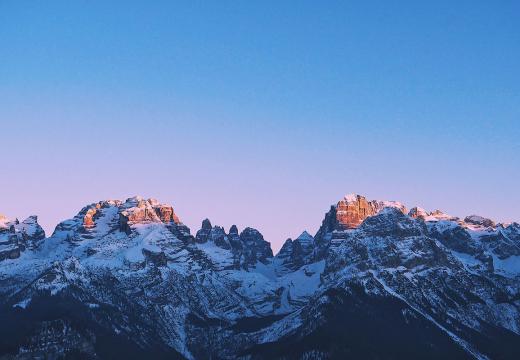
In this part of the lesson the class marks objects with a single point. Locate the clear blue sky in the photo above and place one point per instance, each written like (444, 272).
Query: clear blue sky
(260, 113)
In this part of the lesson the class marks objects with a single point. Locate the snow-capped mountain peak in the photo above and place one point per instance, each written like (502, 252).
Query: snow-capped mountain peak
(129, 272)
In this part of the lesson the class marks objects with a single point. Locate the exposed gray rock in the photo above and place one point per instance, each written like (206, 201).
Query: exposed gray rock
(479, 220)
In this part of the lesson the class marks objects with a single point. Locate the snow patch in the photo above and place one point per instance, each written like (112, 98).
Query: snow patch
(23, 304)
(509, 266)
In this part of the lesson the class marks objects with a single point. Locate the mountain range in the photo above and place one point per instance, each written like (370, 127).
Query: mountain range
(127, 279)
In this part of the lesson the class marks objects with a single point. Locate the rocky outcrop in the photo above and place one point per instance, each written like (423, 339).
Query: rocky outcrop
(233, 230)
(137, 210)
(254, 247)
(479, 220)
(10, 244)
(165, 212)
(352, 210)
(89, 214)
(31, 231)
(117, 215)
(134, 210)
(441, 216)
(236, 244)
(215, 234)
(88, 219)
(418, 213)
(247, 248)
(16, 236)
(324, 235)
(348, 214)
(204, 232)
(296, 253)
(3, 221)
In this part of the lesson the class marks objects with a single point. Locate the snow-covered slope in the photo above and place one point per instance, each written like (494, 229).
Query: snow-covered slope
(130, 272)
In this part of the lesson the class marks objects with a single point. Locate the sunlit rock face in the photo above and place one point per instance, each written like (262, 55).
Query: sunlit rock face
(138, 210)
(418, 213)
(166, 213)
(353, 209)
(348, 214)
(88, 219)
(150, 210)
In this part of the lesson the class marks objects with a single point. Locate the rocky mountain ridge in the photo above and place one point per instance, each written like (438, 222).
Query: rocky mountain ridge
(128, 274)
(16, 236)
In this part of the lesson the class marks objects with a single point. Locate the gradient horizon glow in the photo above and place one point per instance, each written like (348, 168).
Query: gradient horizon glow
(263, 113)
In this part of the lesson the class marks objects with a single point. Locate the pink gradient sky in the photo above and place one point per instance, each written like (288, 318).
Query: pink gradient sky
(259, 114)
(275, 177)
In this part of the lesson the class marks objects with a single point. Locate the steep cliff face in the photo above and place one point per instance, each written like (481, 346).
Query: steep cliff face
(348, 214)
(137, 210)
(247, 248)
(254, 247)
(16, 236)
(127, 278)
(296, 253)
(353, 209)
(418, 213)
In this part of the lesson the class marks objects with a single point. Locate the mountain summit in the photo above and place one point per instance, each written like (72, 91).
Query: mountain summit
(127, 279)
